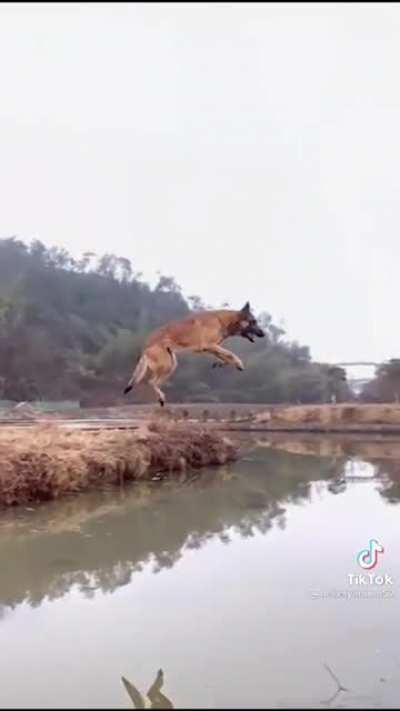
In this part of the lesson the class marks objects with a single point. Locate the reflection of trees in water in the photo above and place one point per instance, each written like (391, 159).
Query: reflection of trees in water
(362, 457)
(97, 542)
(388, 472)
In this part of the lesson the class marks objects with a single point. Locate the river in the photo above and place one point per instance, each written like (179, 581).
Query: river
(240, 587)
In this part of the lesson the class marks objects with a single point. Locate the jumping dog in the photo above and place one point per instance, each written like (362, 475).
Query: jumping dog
(201, 332)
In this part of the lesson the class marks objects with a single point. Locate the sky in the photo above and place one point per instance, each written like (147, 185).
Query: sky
(251, 150)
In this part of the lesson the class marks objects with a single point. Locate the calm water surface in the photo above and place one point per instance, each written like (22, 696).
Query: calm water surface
(236, 585)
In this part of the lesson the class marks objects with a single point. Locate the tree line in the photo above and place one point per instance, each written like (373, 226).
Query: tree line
(73, 329)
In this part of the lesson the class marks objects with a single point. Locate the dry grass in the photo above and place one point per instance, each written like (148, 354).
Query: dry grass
(46, 462)
(350, 414)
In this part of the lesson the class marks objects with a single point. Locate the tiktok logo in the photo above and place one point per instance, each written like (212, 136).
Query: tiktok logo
(368, 557)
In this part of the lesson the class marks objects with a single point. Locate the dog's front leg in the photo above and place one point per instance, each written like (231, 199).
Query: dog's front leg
(225, 356)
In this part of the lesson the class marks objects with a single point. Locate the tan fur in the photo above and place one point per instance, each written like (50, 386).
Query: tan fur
(201, 332)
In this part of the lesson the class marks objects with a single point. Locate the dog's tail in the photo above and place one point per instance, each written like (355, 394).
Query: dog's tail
(138, 374)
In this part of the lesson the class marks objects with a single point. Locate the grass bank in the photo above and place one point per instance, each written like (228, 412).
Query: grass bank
(347, 417)
(46, 462)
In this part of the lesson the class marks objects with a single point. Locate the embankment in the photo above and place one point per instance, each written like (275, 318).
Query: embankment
(350, 417)
(46, 462)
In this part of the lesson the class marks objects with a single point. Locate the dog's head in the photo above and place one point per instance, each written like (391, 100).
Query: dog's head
(248, 326)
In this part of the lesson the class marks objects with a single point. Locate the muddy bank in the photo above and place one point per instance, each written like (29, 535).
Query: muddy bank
(46, 462)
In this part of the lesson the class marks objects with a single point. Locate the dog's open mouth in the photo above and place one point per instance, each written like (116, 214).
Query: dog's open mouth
(250, 334)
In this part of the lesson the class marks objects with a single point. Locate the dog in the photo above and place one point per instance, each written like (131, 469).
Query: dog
(200, 332)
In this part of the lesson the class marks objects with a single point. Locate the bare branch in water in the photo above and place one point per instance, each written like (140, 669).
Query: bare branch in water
(339, 685)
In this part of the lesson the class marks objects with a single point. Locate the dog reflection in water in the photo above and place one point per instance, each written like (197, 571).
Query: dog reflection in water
(156, 700)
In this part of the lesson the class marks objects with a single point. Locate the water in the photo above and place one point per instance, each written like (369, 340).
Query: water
(235, 585)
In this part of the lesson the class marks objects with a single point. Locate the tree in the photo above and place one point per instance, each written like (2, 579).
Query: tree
(387, 380)
(196, 303)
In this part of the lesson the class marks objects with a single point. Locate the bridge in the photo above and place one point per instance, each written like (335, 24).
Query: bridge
(361, 362)
(357, 384)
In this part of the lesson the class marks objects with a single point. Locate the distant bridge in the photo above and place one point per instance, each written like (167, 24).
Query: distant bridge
(361, 362)
(357, 384)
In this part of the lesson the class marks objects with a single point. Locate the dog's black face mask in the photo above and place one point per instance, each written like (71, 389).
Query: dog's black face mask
(249, 327)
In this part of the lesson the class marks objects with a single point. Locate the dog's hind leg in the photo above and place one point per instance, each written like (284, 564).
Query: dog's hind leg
(163, 371)
(154, 382)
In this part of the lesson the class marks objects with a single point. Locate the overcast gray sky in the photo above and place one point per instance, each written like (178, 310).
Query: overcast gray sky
(250, 150)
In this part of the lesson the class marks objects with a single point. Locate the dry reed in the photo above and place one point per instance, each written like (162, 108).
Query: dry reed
(46, 462)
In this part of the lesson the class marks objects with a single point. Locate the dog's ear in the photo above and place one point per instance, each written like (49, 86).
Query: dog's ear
(246, 309)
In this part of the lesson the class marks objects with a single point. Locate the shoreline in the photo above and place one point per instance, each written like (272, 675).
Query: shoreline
(315, 429)
(44, 458)
(132, 425)
(46, 462)
(321, 418)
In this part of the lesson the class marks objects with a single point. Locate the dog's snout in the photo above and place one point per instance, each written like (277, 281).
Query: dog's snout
(260, 333)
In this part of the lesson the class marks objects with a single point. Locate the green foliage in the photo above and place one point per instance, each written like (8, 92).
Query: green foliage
(74, 328)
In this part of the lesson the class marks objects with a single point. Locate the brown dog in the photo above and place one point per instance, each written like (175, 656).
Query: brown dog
(201, 332)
